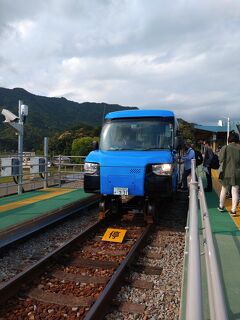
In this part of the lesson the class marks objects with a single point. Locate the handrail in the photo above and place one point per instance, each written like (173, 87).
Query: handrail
(194, 305)
(194, 302)
(218, 310)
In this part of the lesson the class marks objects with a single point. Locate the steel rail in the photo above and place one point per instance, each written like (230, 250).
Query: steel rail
(194, 304)
(20, 232)
(217, 305)
(12, 286)
(194, 301)
(101, 306)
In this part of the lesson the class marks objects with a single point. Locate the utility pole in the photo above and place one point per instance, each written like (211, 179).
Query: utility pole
(20, 148)
(220, 123)
(17, 122)
(45, 184)
(228, 128)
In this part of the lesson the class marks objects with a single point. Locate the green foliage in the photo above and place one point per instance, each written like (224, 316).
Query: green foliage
(61, 143)
(187, 131)
(82, 146)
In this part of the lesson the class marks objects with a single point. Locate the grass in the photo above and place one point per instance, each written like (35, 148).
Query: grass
(6, 179)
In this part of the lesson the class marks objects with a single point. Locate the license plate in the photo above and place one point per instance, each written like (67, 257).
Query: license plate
(120, 191)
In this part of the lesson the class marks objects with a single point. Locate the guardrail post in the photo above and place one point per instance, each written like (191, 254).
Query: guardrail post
(45, 184)
(59, 169)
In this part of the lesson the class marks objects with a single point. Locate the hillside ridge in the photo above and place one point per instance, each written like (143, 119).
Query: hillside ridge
(48, 115)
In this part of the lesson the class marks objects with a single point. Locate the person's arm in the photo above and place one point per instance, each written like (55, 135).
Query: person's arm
(192, 154)
(189, 155)
(222, 154)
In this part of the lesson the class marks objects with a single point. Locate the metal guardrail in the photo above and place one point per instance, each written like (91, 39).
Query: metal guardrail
(194, 298)
(31, 179)
(59, 171)
(70, 168)
(194, 304)
(217, 305)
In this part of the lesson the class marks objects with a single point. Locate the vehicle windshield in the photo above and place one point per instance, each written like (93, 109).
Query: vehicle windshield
(137, 134)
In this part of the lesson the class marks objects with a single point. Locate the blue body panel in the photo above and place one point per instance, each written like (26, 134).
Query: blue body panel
(126, 163)
(127, 168)
(139, 114)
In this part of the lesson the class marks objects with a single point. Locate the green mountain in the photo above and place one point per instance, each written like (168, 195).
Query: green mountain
(47, 116)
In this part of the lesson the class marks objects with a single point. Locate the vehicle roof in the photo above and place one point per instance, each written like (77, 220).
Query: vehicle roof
(139, 113)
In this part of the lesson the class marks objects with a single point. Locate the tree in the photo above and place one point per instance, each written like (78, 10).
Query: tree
(82, 146)
(187, 131)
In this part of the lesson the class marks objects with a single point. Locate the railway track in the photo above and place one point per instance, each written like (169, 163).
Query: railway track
(14, 259)
(81, 279)
(18, 233)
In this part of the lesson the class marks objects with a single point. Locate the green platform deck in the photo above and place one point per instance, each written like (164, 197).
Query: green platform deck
(32, 204)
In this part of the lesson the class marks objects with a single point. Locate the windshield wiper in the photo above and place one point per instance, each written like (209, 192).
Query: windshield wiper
(154, 148)
(118, 149)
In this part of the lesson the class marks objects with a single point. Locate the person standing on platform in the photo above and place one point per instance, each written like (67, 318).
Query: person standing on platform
(208, 155)
(187, 159)
(230, 158)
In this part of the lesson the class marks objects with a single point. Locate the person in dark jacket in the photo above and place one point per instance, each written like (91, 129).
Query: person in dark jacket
(208, 155)
(230, 158)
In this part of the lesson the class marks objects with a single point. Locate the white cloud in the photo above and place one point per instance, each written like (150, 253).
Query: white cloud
(23, 28)
(182, 55)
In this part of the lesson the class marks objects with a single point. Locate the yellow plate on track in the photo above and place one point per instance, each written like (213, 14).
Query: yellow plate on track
(114, 235)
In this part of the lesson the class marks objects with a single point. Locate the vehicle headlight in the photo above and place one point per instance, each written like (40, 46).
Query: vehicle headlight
(164, 169)
(91, 168)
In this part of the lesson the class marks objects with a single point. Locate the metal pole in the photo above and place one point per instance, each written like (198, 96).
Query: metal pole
(228, 128)
(59, 169)
(20, 149)
(45, 184)
(193, 170)
(194, 308)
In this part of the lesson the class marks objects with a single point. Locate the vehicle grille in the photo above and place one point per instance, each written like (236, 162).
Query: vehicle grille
(135, 171)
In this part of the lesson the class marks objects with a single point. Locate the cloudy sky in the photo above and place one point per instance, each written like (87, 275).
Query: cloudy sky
(182, 55)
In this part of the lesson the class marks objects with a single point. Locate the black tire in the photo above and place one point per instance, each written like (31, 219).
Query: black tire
(116, 205)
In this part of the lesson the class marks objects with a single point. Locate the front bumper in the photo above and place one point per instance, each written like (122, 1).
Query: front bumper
(91, 183)
(158, 186)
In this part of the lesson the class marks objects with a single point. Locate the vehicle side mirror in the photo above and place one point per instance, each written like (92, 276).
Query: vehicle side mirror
(95, 145)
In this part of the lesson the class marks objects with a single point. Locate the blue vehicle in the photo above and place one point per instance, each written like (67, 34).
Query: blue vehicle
(136, 157)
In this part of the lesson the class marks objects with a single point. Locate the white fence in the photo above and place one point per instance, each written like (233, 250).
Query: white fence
(40, 172)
